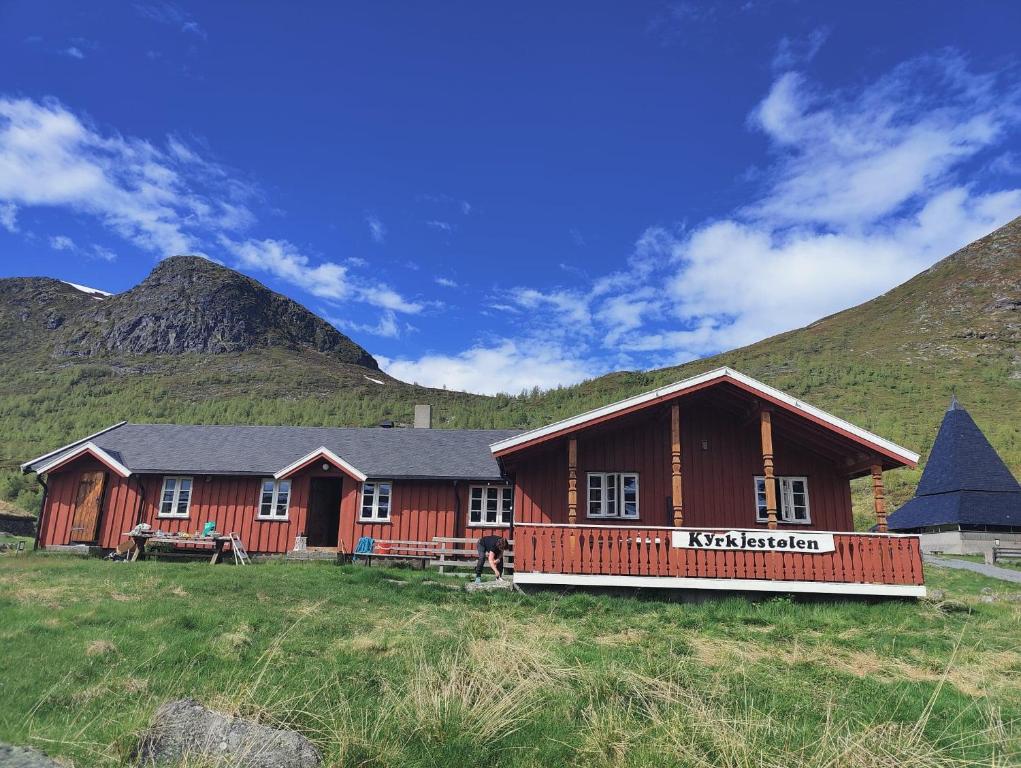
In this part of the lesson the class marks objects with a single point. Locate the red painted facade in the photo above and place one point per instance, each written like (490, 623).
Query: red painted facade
(717, 479)
(421, 509)
(720, 457)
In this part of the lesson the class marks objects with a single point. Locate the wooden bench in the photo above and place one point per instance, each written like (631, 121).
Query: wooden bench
(421, 552)
(463, 553)
(1006, 553)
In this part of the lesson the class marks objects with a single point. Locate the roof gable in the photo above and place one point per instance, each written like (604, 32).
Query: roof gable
(85, 449)
(769, 394)
(324, 454)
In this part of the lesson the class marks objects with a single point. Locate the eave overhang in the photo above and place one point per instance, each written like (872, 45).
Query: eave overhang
(898, 454)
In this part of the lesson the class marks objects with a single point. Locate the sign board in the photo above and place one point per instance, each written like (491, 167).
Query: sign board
(754, 541)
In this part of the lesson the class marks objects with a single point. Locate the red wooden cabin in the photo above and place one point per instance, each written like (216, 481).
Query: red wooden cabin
(716, 482)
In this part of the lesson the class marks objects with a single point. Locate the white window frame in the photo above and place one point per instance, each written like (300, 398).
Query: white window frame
(274, 504)
(504, 510)
(374, 514)
(786, 510)
(176, 498)
(609, 494)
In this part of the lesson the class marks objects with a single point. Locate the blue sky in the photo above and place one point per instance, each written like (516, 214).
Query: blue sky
(493, 197)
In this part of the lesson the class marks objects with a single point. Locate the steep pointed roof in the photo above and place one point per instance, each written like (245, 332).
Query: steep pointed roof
(963, 460)
(964, 481)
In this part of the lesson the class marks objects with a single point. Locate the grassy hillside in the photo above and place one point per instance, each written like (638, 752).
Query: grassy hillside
(889, 365)
(387, 667)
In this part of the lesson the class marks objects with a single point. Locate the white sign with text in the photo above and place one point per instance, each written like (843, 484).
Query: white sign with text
(754, 541)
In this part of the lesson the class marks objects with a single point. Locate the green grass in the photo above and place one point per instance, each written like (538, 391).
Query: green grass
(389, 667)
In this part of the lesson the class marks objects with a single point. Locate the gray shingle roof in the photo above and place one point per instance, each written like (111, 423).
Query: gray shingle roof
(254, 450)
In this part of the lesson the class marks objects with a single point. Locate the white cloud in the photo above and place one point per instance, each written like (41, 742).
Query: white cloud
(9, 217)
(796, 51)
(49, 157)
(376, 228)
(387, 327)
(506, 366)
(62, 243)
(446, 282)
(327, 280)
(866, 187)
(74, 52)
(567, 305)
(442, 226)
(104, 254)
(284, 260)
(849, 159)
(172, 15)
(166, 200)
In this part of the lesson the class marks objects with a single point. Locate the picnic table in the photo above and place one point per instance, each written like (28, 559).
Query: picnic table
(215, 542)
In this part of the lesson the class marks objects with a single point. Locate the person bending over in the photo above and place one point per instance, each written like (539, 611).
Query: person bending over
(491, 549)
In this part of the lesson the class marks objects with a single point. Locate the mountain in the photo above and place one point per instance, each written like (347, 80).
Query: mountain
(186, 305)
(198, 343)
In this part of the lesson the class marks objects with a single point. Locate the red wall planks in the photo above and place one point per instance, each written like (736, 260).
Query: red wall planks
(718, 480)
(718, 488)
(421, 509)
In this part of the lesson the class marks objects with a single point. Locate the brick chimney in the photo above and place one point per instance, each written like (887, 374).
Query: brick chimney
(423, 417)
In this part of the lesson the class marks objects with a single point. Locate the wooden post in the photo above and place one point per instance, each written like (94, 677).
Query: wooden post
(572, 480)
(879, 497)
(675, 464)
(766, 424)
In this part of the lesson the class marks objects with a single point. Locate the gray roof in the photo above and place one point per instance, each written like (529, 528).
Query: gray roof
(252, 450)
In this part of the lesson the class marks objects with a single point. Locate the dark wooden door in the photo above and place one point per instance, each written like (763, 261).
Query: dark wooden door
(87, 507)
(323, 524)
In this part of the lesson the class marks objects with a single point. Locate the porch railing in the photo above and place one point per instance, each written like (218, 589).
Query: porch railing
(860, 558)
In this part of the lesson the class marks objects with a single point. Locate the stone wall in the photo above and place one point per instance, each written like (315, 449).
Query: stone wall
(17, 524)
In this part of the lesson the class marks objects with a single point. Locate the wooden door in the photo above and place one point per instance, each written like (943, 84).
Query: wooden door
(87, 505)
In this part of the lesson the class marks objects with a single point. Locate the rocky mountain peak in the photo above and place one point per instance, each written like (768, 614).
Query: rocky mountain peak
(187, 304)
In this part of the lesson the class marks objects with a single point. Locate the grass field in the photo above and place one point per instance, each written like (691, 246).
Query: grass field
(389, 667)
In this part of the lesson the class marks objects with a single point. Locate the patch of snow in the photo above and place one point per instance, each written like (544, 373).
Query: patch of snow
(93, 292)
(374, 381)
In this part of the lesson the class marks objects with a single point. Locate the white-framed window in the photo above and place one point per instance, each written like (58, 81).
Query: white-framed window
(491, 505)
(791, 500)
(376, 500)
(613, 494)
(274, 499)
(176, 497)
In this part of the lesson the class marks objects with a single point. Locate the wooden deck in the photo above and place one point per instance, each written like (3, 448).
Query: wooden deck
(600, 555)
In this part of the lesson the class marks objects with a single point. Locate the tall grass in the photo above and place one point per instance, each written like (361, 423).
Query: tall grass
(382, 667)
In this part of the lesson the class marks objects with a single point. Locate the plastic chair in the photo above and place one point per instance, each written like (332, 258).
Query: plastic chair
(364, 546)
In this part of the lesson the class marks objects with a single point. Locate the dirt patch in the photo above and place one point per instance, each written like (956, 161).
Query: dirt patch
(624, 637)
(230, 644)
(100, 648)
(966, 676)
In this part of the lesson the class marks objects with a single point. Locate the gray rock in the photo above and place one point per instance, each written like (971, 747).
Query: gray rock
(936, 596)
(988, 598)
(24, 757)
(184, 729)
(191, 305)
(954, 606)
